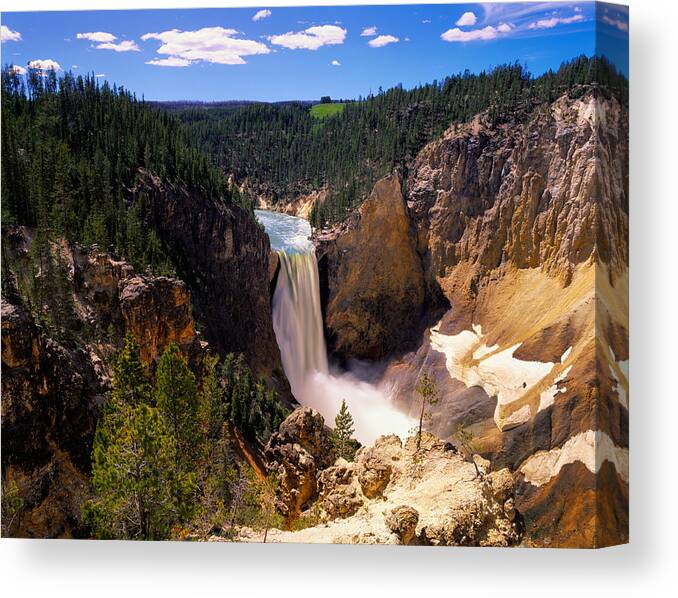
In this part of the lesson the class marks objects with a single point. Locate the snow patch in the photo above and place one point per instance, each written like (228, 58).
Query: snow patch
(498, 373)
(547, 397)
(621, 383)
(592, 448)
(519, 416)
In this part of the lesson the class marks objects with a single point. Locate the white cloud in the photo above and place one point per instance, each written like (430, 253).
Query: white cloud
(171, 61)
(467, 19)
(383, 40)
(100, 75)
(486, 33)
(261, 14)
(17, 70)
(97, 36)
(43, 65)
(577, 9)
(555, 21)
(8, 35)
(502, 12)
(123, 46)
(618, 23)
(209, 44)
(426, 21)
(106, 41)
(335, 63)
(369, 32)
(311, 38)
(74, 66)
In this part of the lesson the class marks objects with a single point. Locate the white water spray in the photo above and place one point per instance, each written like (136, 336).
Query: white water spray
(297, 322)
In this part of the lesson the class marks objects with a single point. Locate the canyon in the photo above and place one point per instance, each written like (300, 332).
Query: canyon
(496, 262)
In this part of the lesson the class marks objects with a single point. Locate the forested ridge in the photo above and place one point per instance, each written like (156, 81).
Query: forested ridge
(76, 160)
(281, 150)
(71, 152)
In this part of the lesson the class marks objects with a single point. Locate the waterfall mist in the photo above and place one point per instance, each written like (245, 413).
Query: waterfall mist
(298, 326)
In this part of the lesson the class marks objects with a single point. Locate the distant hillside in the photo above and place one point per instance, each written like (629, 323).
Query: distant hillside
(279, 152)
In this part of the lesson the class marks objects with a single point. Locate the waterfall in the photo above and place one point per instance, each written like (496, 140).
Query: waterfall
(297, 317)
(298, 327)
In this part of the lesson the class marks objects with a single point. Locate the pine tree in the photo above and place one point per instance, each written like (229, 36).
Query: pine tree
(133, 476)
(177, 399)
(130, 386)
(342, 436)
(213, 397)
(428, 391)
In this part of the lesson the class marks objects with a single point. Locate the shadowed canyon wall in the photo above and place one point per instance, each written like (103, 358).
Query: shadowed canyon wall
(223, 255)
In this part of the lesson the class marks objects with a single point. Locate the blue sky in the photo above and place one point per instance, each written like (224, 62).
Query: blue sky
(278, 53)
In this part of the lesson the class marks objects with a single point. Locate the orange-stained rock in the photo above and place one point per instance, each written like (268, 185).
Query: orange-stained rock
(523, 229)
(53, 390)
(157, 311)
(374, 278)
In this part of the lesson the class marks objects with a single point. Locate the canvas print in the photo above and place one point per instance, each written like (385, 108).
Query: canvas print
(339, 274)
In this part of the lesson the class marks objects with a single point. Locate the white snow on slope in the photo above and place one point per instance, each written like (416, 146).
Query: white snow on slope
(469, 359)
(592, 448)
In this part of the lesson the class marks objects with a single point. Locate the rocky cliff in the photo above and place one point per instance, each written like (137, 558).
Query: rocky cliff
(53, 390)
(372, 278)
(223, 255)
(522, 233)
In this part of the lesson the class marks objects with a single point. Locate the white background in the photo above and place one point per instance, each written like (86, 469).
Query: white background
(645, 567)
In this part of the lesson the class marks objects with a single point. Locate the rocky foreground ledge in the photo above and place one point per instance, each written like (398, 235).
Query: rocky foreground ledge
(391, 494)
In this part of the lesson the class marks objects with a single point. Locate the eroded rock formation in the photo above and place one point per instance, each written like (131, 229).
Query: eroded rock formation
(300, 449)
(524, 229)
(53, 390)
(391, 494)
(373, 278)
(522, 233)
(51, 399)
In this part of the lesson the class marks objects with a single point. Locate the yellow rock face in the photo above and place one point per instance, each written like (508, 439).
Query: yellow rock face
(524, 231)
(376, 282)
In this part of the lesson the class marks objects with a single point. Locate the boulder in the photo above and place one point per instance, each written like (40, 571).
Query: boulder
(374, 465)
(402, 521)
(482, 464)
(296, 454)
(339, 493)
(501, 483)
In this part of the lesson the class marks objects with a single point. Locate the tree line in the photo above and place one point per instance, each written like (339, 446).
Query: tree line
(281, 151)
